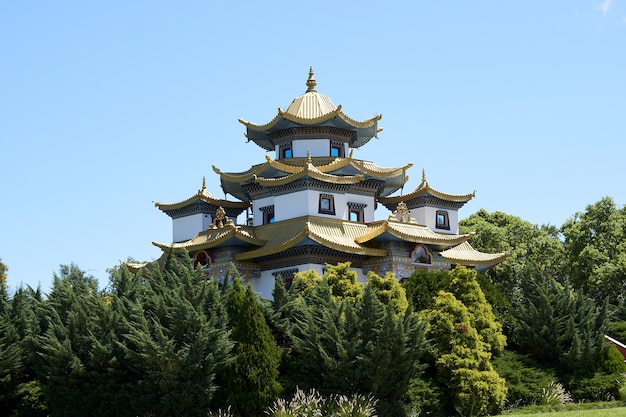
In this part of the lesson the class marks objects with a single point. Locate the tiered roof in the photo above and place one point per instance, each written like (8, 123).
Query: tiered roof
(324, 169)
(311, 108)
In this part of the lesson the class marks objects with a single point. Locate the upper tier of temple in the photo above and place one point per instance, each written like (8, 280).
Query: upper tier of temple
(311, 115)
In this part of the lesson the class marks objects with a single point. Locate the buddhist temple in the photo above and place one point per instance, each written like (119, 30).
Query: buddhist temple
(310, 203)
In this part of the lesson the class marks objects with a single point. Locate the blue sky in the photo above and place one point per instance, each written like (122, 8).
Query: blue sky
(106, 107)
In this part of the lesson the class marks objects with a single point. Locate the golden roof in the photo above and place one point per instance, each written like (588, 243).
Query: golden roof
(213, 237)
(271, 173)
(335, 234)
(309, 170)
(465, 254)
(203, 195)
(425, 189)
(411, 232)
(311, 108)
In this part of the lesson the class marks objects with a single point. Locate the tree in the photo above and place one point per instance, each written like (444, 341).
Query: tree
(531, 246)
(465, 288)
(389, 291)
(462, 359)
(558, 326)
(595, 250)
(251, 380)
(343, 281)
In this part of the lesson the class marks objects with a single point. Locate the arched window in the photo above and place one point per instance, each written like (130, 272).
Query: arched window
(201, 258)
(421, 255)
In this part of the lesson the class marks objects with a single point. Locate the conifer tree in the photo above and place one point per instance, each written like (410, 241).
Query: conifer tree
(250, 382)
(462, 359)
(343, 281)
(465, 287)
(389, 291)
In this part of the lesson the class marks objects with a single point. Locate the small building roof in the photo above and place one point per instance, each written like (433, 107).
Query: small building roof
(227, 235)
(390, 230)
(465, 254)
(424, 190)
(311, 108)
(203, 195)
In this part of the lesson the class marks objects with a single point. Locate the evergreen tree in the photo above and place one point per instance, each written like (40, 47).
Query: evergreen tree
(389, 291)
(250, 382)
(558, 326)
(462, 359)
(466, 289)
(343, 281)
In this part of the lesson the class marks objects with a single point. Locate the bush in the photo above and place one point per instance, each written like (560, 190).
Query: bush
(599, 387)
(524, 378)
(424, 397)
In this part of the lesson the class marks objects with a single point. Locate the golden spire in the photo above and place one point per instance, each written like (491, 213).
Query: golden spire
(308, 157)
(203, 183)
(311, 83)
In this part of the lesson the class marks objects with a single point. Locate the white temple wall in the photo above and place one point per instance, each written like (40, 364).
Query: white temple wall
(317, 147)
(306, 203)
(257, 214)
(427, 216)
(185, 228)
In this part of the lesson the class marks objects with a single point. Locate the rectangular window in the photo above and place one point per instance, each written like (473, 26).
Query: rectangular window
(285, 151)
(326, 204)
(336, 149)
(356, 212)
(442, 220)
(268, 214)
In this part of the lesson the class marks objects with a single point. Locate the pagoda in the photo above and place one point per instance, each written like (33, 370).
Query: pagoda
(313, 204)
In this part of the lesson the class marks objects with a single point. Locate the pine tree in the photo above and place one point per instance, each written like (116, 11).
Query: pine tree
(250, 382)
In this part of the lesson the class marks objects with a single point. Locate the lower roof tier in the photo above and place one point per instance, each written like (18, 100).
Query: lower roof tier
(355, 238)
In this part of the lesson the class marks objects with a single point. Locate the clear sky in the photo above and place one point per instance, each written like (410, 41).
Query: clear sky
(107, 106)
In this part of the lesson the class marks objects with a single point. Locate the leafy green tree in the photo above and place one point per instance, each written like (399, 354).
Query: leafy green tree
(462, 359)
(423, 286)
(531, 246)
(251, 380)
(389, 291)
(595, 250)
(304, 281)
(558, 326)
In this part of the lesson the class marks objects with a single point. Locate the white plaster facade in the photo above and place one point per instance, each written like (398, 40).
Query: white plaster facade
(187, 227)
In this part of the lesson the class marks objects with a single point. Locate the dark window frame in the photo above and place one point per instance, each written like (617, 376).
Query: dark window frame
(326, 204)
(445, 223)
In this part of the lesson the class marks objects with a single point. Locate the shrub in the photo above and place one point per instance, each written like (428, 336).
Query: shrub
(599, 387)
(555, 394)
(524, 378)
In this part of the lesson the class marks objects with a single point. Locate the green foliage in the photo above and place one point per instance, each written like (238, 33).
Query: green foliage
(350, 345)
(595, 250)
(425, 397)
(524, 378)
(149, 346)
(250, 382)
(465, 287)
(343, 281)
(304, 281)
(423, 286)
(462, 359)
(558, 326)
(32, 401)
(531, 246)
(389, 291)
(598, 387)
(612, 361)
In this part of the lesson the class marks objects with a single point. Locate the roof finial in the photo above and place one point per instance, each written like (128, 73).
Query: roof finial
(203, 183)
(423, 175)
(311, 83)
(308, 157)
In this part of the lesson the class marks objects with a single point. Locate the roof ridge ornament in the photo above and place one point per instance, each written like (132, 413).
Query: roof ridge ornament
(310, 82)
(203, 183)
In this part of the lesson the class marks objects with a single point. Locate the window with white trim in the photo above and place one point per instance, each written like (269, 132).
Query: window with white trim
(326, 204)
